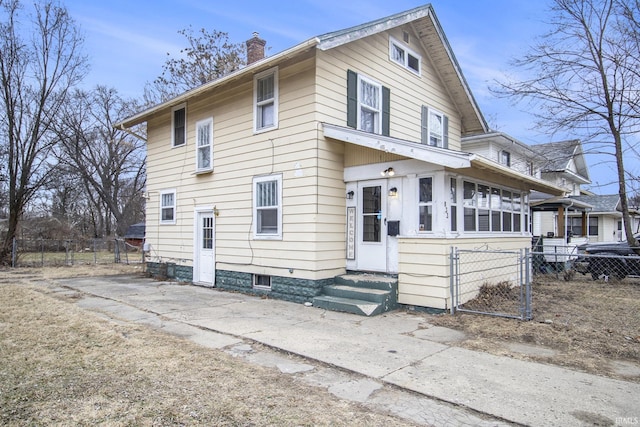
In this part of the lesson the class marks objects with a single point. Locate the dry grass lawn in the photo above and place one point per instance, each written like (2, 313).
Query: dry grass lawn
(587, 324)
(64, 366)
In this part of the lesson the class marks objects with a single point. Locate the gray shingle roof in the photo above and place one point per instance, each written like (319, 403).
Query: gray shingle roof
(557, 154)
(601, 203)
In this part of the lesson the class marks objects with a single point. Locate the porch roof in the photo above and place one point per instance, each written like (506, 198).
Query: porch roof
(553, 203)
(453, 159)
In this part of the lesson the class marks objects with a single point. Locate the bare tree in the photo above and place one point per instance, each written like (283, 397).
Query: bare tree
(109, 161)
(583, 77)
(40, 61)
(208, 56)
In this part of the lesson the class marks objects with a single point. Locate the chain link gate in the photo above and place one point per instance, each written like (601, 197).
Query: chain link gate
(492, 282)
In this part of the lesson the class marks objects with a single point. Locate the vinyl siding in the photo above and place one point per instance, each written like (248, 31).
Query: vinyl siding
(409, 92)
(424, 267)
(313, 192)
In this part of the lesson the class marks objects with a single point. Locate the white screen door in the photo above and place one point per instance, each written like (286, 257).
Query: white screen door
(204, 268)
(372, 230)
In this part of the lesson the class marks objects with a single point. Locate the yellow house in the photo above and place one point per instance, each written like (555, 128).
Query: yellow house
(341, 154)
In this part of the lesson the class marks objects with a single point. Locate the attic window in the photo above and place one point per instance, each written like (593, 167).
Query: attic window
(404, 56)
(405, 36)
(505, 158)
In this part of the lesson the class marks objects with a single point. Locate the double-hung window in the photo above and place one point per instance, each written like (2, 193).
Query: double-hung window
(368, 104)
(426, 204)
(404, 56)
(168, 207)
(179, 125)
(505, 158)
(265, 97)
(453, 214)
(435, 128)
(267, 202)
(204, 145)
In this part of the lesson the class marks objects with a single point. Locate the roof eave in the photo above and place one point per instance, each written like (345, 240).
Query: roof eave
(534, 183)
(263, 63)
(440, 156)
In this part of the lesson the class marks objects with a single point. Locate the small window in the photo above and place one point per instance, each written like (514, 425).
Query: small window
(404, 56)
(505, 158)
(425, 204)
(179, 126)
(267, 207)
(266, 100)
(204, 144)
(434, 128)
(168, 207)
(261, 281)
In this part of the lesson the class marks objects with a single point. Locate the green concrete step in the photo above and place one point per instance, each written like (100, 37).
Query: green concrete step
(363, 294)
(371, 281)
(348, 305)
(358, 293)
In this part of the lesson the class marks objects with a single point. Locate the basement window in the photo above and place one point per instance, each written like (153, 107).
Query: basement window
(261, 281)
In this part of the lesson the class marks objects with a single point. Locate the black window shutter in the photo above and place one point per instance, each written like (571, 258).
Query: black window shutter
(445, 132)
(386, 110)
(352, 99)
(424, 126)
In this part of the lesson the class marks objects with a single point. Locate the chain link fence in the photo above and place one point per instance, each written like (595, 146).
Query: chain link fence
(566, 261)
(492, 282)
(47, 252)
(607, 267)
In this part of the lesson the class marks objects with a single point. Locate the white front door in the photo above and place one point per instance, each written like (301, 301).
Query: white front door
(371, 253)
(204, 262)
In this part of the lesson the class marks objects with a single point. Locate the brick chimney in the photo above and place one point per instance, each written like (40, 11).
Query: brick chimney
(255, 49)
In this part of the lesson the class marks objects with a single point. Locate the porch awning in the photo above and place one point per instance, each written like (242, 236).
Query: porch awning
(426, 153)
(553, 203)
(452, 159)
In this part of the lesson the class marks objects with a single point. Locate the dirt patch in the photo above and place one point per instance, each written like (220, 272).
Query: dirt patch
(589, 325)
(65, 366)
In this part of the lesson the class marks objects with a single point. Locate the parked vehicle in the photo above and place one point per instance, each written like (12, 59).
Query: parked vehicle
(611, 260)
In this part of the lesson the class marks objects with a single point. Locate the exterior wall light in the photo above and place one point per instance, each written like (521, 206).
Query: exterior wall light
(393, 191)
(388, 172)
(350, 195)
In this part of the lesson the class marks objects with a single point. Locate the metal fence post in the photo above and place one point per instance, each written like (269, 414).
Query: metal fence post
(527, 275)
(454, 283)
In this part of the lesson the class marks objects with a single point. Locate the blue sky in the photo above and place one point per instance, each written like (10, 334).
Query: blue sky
(128, 41)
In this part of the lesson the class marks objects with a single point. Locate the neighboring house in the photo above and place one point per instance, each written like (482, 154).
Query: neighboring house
(605, 218)
(343, 153)
(507, 151)
(564, 165)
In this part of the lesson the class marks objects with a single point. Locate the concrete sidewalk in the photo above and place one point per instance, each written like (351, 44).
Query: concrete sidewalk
(455, 386)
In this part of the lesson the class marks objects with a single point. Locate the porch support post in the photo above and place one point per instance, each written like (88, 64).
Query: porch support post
(562, 229)
(584, 224)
